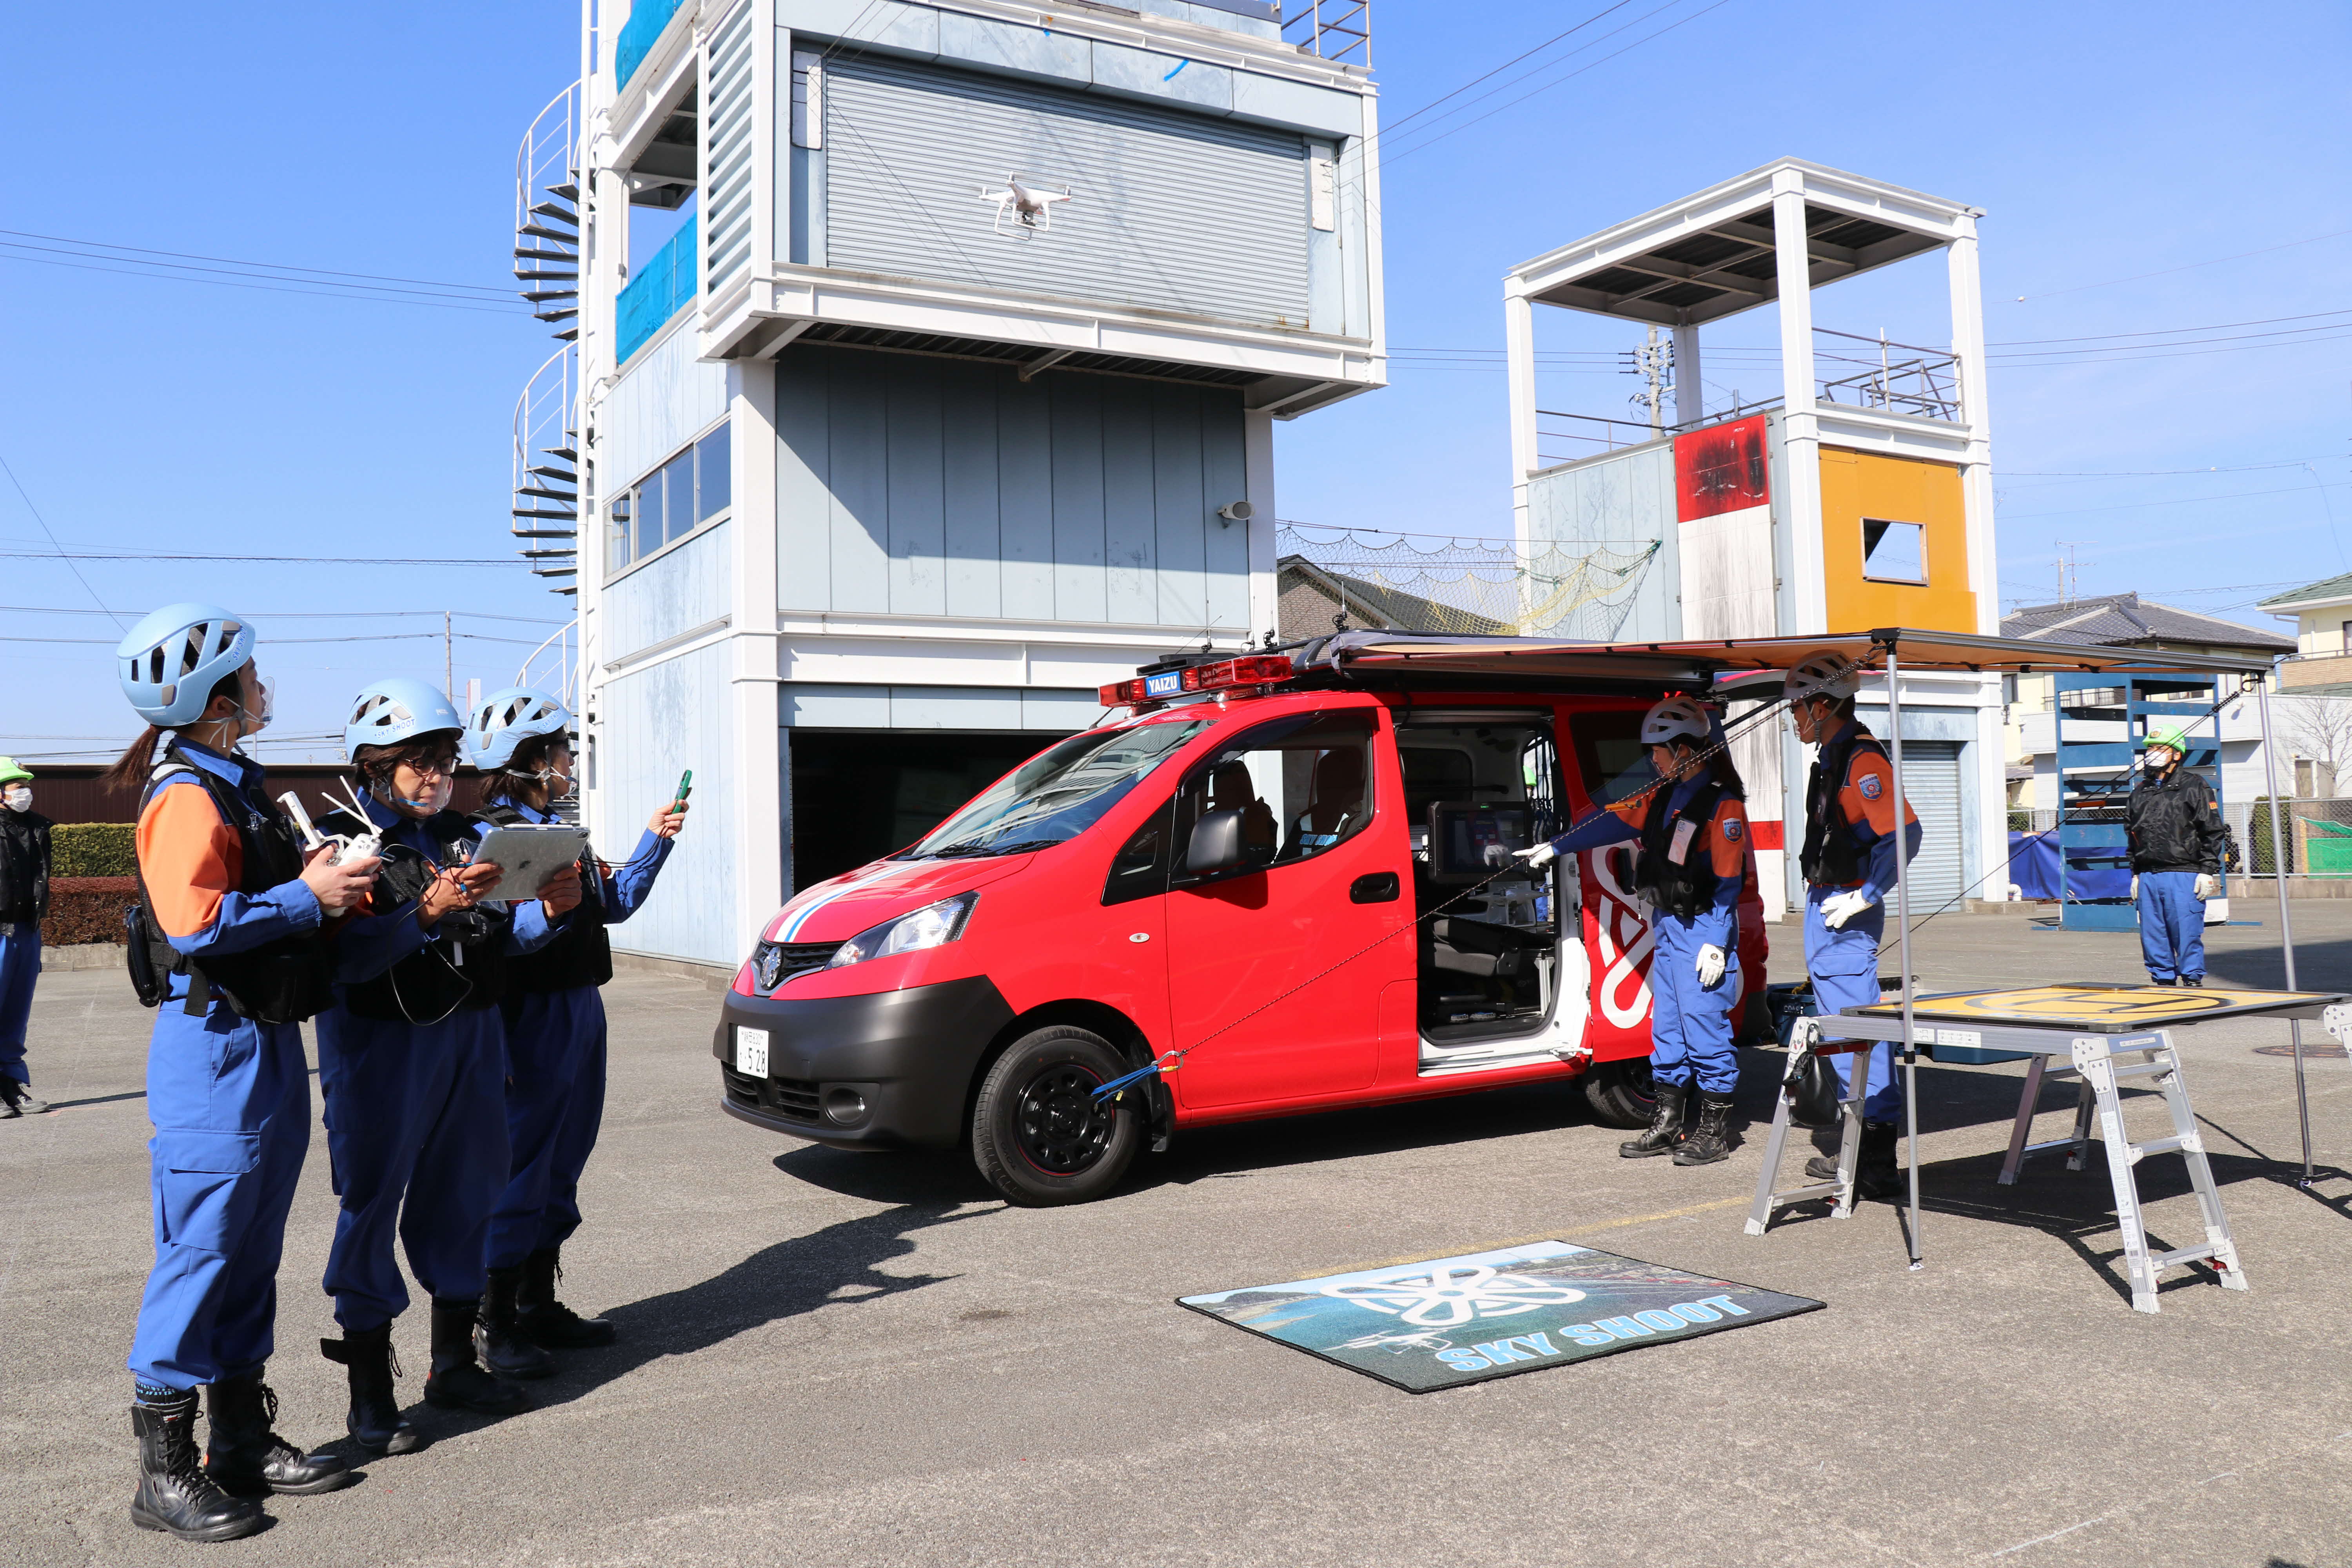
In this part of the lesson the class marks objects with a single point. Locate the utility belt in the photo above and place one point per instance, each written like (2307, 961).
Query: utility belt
(461, 967)
(282, 982)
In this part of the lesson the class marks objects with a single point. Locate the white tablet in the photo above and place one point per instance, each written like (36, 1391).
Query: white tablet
(526, 857)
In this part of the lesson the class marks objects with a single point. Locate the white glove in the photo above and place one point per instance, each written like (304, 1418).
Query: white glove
(2206, 886)
(1541, 855)
(1840, 908)
(1710, 966)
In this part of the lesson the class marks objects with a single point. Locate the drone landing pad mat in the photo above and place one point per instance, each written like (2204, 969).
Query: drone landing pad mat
(1451, 1321)
(2102, 1009)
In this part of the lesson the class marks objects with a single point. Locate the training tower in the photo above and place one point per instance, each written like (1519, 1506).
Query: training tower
(950, 401)
(1861, 496)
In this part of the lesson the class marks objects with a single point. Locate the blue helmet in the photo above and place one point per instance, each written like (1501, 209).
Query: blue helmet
(170, 662)
(507, 719)
(387, 712)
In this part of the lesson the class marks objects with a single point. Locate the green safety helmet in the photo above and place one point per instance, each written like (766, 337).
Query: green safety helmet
(2174, 739)
(11, 769)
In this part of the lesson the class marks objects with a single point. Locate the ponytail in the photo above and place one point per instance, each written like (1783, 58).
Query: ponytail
(129, 773)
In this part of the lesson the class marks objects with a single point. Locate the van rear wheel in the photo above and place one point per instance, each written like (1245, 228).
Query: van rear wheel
(1037, 1133)
(1621, 1092)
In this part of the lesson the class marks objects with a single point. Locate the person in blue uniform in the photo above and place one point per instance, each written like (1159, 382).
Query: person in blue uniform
(2174, 830)
(24, 899)
(1692, 831)
(412, 1061)
(229, 944)
(1849, 868)
(554, 1016)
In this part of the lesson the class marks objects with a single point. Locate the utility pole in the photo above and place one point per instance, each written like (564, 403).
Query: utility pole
(2070, 571)
(448, 655)
(1652, 362)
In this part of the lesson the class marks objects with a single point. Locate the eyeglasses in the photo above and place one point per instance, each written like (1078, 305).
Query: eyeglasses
(433, 769)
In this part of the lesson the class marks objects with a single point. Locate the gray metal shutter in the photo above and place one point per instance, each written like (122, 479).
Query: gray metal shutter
(1173, 210)
(1931, 782)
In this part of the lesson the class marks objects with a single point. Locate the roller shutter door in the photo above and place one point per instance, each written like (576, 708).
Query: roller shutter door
(1175, 211)
(1931, 782)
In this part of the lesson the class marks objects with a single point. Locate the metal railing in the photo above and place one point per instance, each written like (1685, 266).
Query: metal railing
(546, 510)
(1337, 30)
(1590, 435)
(546, 214)
(1927, 387)
(554, 666)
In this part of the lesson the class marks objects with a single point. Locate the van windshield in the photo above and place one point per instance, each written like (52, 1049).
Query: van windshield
(1058, 794)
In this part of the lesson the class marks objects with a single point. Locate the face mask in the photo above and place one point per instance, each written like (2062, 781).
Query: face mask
(17, 797)
(436, 796)
(260, 722)
(559, 786)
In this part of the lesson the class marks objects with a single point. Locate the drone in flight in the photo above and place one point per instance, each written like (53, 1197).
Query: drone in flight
(1028, 207)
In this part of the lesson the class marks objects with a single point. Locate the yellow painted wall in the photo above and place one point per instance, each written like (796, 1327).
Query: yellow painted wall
(1855, 485)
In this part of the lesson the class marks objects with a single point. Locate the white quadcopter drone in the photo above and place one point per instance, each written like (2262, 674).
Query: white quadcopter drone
(1025, 207)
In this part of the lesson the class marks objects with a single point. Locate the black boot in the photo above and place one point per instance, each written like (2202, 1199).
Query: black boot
(1666, 1124)
(504, 1349)
(1875, 1173)
(2193, 981)
(374, 1421)
(2152, 980)
(244, 1455)
(458, 1381)
(543, 1319)
(174, 1494)
(1710, 1141)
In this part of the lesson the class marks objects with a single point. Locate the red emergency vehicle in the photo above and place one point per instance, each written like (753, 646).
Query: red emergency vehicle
(1281, 861)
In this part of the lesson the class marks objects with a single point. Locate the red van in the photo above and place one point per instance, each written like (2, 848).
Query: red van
(1277, 863)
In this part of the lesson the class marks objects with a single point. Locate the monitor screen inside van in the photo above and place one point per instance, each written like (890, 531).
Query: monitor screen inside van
(1469, 843)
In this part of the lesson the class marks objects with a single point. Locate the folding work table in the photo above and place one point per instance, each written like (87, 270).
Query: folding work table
(2105, 1035)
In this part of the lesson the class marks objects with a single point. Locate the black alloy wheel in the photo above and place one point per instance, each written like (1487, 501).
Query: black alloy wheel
(1621, 1092)
(1038, 1134)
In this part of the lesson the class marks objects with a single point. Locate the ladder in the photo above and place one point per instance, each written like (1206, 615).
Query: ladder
(2103, 1064)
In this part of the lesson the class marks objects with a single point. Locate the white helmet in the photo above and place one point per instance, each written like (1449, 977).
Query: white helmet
(1674, 716)
(1824, 674)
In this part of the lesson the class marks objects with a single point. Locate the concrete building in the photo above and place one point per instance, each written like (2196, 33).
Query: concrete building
(1861, 497)
(953, 400)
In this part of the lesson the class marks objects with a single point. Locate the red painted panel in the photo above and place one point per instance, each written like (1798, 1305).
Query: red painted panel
(1766, 835)
(1720, 468)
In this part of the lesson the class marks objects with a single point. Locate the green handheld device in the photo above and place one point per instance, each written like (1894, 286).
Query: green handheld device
(685, 786)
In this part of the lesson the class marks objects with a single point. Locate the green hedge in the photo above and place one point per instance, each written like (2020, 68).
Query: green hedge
(92, 849)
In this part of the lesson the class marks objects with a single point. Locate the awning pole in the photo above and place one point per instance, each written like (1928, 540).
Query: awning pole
(1903, 951)
(2286, 920)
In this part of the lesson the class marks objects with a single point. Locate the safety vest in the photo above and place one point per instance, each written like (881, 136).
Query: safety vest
(462, 966)
(281, 982)
(1686, 888)
(580, 954)
(1834, 856)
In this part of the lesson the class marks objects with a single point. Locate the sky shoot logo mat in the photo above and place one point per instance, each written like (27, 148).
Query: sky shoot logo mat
(1452, 1321)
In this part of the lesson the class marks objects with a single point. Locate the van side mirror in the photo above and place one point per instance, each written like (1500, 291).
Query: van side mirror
(1217, 844)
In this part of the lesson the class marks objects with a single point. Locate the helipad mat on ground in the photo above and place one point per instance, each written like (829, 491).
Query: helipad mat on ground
(2099, 1009)
(1452, 1321)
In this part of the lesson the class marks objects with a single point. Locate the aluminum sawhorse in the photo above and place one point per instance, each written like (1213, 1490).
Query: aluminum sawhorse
(2095, 1058)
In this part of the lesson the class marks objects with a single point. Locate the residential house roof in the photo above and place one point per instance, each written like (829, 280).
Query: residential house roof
(2114, 619)
(2336, 587)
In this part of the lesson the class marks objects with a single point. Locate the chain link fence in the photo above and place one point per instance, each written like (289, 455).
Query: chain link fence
(1463, 586)
(2315, 835)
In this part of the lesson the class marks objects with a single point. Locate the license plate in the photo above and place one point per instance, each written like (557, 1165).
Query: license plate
(751, 1052)
(1165, 685)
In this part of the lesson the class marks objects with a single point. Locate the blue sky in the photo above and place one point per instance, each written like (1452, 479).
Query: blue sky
(2105, 144)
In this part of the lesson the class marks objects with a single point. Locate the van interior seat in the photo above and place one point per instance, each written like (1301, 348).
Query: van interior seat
(1232, 789)
(1335, 799)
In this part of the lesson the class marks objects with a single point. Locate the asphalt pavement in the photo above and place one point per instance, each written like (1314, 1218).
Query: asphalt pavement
(841, 1359)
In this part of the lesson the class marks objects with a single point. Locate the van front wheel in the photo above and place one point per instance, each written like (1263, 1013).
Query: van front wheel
(1620, 1093)
(1037, 1133)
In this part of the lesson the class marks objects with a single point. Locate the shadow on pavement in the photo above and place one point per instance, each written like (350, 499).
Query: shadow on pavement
(841, 1264)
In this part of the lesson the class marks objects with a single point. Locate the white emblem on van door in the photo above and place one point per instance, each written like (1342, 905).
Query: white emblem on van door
(1139, 936)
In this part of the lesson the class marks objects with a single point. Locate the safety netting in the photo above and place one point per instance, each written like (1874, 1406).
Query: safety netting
(1466, 587)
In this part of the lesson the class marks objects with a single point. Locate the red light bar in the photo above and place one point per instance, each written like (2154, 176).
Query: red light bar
(1250, 669)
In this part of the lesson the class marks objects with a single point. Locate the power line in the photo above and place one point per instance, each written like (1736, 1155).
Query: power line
(309, 614)
(274, 559)
(1515, 59)
(272, 266)
(262, 287)
(2158, 473)
(2166, 332)
(2188, 266)
(2188, 500)
(60, 549)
